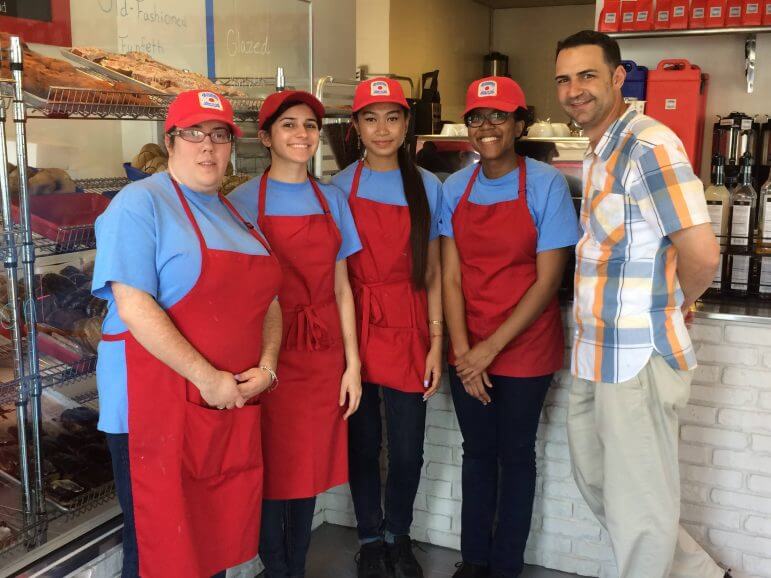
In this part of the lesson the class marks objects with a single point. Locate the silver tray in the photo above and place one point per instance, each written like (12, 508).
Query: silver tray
(114, 75)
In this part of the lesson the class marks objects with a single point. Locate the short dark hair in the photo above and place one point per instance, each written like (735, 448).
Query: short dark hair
(610, 49)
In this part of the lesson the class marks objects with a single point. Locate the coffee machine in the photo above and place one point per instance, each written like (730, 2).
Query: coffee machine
(428, 110)
(732, 136)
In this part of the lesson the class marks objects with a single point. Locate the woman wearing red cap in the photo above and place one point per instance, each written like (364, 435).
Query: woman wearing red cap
(178, 346)
(508, 224)
(397, 287)
(310, 227)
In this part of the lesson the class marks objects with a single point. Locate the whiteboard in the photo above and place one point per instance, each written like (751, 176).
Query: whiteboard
(252, 38)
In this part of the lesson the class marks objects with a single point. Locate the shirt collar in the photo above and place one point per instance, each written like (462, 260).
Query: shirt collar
(613, 134)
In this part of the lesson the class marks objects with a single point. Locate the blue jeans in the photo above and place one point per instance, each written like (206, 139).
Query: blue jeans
(405, 425)
(285, 535)
(119, 450)
(498, 474)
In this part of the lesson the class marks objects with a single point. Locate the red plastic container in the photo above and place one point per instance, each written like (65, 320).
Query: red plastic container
(661, 22)
(751, 13)
(767, 13)
(67, 218)
(678, 15)
(610, 17)
(698, 16)
(628, 10)
(643, 17)
(733, 13)
(715, 13)
(677, 96)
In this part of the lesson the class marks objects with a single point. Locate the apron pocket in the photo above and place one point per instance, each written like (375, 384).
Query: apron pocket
(221, 442)
(396, 357)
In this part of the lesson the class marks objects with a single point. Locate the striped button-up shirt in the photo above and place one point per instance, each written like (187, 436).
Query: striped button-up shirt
(638, 189)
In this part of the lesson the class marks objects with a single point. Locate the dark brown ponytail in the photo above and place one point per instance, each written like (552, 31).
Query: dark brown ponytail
(420, 216)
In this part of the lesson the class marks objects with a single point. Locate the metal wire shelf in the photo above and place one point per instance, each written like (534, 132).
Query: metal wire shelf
(81, 103)
(51, 374)
(27, 537)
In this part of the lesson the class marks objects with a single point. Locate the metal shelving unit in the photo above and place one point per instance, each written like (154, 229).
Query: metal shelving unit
(750, 42)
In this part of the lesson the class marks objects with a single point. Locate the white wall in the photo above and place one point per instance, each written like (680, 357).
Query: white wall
(373, 34)
(528, 36)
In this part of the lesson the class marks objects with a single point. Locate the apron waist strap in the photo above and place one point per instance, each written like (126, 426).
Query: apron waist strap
(370, 308)
(308, 329)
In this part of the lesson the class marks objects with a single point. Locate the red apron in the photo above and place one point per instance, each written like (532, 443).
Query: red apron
(304, 436)
(497, 248)
(393, 315)
(196, 472)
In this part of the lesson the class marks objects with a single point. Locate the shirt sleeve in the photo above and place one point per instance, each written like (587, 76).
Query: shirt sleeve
(245, 199)
(126, 241)
(341, 213)
(669, 195)
(556, 219)
(433, 188)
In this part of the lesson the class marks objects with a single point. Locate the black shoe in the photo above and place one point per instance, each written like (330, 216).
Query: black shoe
(466, 570)
(403, 561)
(727, 574)
(371, 560)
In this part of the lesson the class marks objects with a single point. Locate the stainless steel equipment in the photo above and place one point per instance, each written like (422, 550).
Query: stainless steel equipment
(733, 135)
(496, 64)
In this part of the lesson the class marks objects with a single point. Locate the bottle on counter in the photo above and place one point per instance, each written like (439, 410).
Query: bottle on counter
(719, 206)
(743, 202)
(763, 242)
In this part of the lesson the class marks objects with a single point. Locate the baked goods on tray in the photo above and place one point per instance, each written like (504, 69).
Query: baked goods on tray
(142, 68)
(43, 72)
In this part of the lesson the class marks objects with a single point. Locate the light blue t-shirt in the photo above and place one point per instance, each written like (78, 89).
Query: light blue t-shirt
(387, 187)
(548, 200)
(145, 240)
(298, 199)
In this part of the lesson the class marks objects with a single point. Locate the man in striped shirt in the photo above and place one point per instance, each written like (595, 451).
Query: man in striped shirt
(647, 253)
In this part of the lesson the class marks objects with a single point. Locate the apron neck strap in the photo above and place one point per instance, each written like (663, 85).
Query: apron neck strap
(521, 192)
(189, 213)
(355, 183)
(261, 201)
(251, 228)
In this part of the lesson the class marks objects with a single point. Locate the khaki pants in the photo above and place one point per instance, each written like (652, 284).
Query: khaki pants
(623, 445)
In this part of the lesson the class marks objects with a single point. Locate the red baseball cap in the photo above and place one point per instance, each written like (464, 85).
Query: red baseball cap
(379, 89)
(275, 100)
(498, 92)
(196, 106)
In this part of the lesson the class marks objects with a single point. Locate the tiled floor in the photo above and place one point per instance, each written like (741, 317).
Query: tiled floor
(333, 548)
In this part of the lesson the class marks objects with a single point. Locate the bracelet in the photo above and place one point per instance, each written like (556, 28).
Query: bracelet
(434, 322)
(273, 377)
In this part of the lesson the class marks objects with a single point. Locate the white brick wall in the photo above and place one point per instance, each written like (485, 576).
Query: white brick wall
(725, 455)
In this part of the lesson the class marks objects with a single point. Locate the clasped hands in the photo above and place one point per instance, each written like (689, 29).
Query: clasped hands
(225, 390)
(471, 367)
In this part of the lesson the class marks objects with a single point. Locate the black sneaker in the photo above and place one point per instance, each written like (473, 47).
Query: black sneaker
(403, 561)
(466, 570)
(371, 560)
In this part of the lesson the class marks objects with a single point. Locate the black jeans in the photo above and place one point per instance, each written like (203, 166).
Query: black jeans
(405, 426)
(498, 474)
(285, 535)
(119, 450)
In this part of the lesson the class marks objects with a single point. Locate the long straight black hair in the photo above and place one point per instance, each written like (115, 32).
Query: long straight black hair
(420, 212)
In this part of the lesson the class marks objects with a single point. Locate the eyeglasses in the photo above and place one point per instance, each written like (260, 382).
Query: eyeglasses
(195, 135)
(477, 119)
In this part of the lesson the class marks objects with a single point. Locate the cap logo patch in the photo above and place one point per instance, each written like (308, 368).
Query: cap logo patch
(209, 100)
(379, 88)
(488, 88)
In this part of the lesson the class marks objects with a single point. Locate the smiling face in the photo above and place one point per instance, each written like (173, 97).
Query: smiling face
(200, 166)
(494, 142)
(587, 88)
(382, 127)
(294, 135)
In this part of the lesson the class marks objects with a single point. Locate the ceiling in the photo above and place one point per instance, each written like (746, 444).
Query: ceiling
(531, 3)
